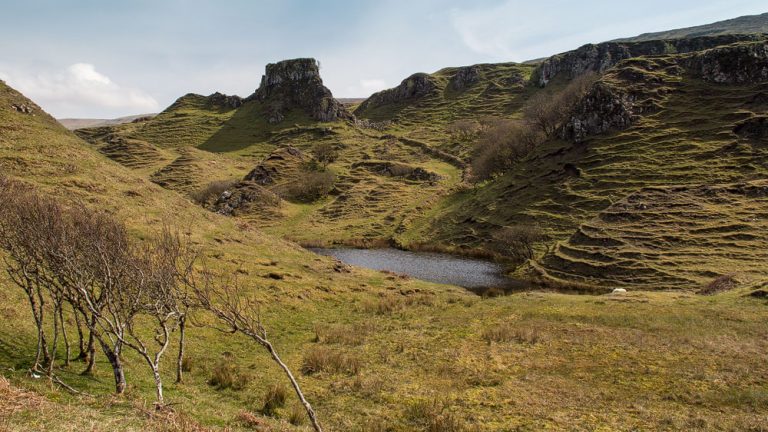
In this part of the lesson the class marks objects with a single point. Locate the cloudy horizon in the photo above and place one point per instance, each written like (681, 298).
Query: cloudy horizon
(104, 59)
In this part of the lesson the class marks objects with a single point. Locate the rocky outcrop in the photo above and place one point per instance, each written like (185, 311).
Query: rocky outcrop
(220, 100)
(745, 63)
(275, 165)
(755, 128)
(599, 58)
(415, 86)
(465, 77)
(246, 197)
(601, 110)
(297, 84)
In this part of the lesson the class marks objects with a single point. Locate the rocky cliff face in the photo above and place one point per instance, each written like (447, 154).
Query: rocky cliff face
(601, 110)
(736, 64)
(465, 77)
(415, 86)
(297, 84)
(599, 58)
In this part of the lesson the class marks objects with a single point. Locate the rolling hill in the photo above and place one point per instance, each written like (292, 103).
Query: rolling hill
(741, 25)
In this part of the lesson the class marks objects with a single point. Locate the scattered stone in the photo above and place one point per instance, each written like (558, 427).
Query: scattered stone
(22, 108)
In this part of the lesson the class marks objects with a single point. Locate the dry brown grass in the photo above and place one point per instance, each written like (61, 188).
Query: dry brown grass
(226, 374)
(351, 335)
(274, 398)
(322, 359)
(508, 333)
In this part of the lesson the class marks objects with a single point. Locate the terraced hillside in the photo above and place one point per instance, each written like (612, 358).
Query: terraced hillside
(199, 140)
(689, 134)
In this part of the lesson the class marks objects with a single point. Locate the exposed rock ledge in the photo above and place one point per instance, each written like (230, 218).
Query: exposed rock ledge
(415, 86)
(297, 84)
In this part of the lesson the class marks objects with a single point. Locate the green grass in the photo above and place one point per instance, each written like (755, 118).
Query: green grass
(668, 360)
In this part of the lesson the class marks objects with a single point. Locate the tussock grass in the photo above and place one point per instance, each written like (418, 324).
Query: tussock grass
(323, 359)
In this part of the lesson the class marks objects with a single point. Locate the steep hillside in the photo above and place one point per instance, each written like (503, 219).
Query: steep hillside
(741, 25)
(690, 124)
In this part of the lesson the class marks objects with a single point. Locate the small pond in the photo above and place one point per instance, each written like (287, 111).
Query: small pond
(469, 273)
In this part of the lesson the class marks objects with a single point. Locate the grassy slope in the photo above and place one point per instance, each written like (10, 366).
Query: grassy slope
(741, 25)
(500, 91)
(646, 361)
(688, 140)
(190, 144)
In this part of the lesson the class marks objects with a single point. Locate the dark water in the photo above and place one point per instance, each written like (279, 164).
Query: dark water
(434, 267)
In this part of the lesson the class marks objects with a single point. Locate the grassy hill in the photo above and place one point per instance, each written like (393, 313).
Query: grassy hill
(74, 123)
(424, 356)
(741, 25)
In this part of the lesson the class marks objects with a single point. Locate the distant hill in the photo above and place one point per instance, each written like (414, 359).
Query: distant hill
(741, 25)
(73, 123)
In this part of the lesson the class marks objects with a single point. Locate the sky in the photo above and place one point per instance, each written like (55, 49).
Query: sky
(107, 58)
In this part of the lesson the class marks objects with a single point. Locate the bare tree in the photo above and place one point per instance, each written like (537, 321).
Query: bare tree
(547, 111)
(503, 144)
(225, 300)
(20, 217)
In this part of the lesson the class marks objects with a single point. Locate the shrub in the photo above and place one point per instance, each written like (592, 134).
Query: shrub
(719, 284)
(274, 398)
(212, 191)
(517, 241)
(325, 153)
(321, 359)
(503, 144)
(310, 186)
(546, 111)
(227, 374)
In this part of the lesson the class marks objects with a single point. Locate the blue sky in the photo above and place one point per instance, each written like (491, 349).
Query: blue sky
(110, 58)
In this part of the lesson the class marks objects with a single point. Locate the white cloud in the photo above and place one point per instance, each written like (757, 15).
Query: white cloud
(79, 90)
(366, 87)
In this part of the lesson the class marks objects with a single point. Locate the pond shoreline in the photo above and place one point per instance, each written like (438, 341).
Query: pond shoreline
(476, 275)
